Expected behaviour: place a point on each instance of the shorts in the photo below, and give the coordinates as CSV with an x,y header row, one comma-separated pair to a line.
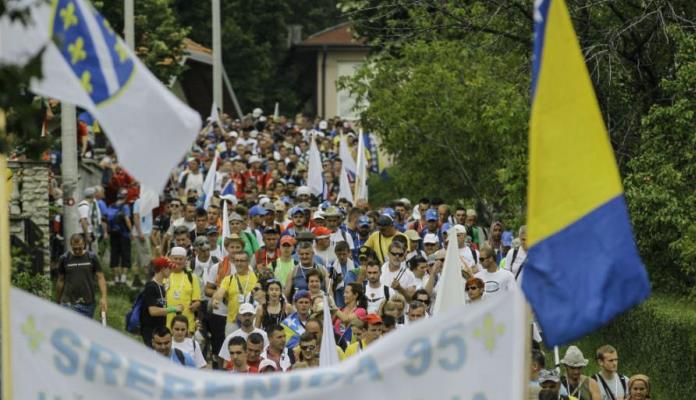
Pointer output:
x,y
143,253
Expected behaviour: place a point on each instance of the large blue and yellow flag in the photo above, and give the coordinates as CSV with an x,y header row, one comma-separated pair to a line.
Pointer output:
x,y
583,268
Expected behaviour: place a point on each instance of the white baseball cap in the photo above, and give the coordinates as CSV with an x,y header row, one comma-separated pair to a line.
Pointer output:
x,y
430,238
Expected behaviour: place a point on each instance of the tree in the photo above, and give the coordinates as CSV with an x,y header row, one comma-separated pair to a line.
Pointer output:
x,y
660,185
454,118
254,43
159,36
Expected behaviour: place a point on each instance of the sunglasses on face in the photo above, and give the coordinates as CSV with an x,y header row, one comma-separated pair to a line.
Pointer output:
x,y
309,347
482,259
397,254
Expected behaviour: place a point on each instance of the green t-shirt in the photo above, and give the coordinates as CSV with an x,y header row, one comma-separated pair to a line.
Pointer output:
x,y
282,269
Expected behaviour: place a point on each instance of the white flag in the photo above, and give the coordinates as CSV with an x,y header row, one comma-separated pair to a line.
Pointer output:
x,y
344,186
210,182
315,179
327,353
450,294
86,63
346,158
361,175
149,200
474,355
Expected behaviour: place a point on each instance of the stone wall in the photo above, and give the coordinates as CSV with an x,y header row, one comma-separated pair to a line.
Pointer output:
x,y
30,199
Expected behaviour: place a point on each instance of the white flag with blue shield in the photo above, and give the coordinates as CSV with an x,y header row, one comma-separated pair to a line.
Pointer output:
x,y
86,63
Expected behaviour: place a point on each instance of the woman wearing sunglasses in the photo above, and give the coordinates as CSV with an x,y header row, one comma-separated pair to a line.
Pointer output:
x,y
474,289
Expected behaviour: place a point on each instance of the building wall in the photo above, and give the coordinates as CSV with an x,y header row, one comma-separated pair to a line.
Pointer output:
x,y
337,61
29,199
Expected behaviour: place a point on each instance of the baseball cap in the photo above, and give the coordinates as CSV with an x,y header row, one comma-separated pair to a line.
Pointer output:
x,y
269,206
373,319
318,215
363,221
161,262
89,192
390,212
331,212
430,238
322,232
246,308
302,293
385,220
287,239
304,236
303,190
212,230
548,375
271,229
279,205
365,251
296,210
235,217
200,241
257,210
431,214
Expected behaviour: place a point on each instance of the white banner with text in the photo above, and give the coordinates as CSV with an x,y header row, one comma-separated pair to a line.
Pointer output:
x,y
474,353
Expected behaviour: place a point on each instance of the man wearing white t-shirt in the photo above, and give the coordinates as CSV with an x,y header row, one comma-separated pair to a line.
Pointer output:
x,y
395,274
376,292
246,322
496,280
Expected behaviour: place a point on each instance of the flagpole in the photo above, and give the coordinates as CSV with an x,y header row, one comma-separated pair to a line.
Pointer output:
x,y
5,268
217,56
129,23
69,168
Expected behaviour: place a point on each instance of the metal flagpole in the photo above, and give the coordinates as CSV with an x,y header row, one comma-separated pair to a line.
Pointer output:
x,y
5,268
217,56
128,23
69,170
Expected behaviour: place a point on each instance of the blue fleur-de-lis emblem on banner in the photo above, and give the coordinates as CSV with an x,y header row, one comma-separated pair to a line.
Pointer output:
x,y
91,49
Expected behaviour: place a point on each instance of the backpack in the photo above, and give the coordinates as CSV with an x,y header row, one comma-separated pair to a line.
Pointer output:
x,y
602,382
386,290
133,316
115,216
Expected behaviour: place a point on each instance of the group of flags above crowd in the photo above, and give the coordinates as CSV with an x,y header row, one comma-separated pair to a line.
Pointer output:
x,y
579,231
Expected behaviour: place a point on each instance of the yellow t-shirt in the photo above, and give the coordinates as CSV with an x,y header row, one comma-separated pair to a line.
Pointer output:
x,y
181,291
229,284
380,244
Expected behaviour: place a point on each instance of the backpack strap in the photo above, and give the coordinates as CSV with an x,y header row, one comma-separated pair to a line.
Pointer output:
x,y
622,379
189,275
180,355
598,377
386,292
514,256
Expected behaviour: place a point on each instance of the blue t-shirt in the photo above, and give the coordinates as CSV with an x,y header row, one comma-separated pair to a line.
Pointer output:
x,y
188,360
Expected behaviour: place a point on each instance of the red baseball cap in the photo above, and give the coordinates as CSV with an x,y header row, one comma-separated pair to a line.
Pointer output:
x,y
160,263
321,232
288,239
372,319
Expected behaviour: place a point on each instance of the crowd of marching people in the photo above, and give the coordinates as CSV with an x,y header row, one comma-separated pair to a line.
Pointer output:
x,y
239,279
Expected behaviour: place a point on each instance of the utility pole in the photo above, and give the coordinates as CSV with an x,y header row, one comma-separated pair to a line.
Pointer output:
x,y
128,23
217,56
69,171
